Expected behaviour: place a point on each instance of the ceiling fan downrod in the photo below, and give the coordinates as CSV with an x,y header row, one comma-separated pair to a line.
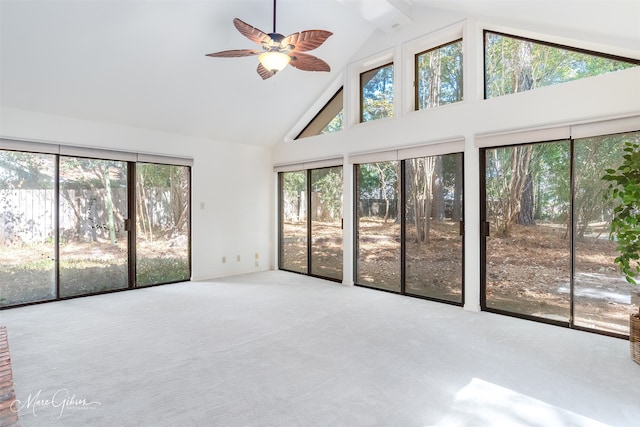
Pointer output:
x,y
274,16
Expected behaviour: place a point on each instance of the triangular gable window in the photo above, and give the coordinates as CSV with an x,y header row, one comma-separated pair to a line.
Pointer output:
x,y
329,118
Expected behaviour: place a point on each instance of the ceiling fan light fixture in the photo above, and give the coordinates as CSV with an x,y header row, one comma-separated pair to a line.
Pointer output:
x,y
274,61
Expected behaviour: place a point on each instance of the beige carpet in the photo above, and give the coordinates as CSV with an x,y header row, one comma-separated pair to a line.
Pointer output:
x,y
281,349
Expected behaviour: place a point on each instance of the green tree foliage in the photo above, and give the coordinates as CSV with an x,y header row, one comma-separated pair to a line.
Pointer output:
x,y
624,189
294,187
166,186
380,181
335,125
96,180
592,156
25,170
377,93
516,65
328,184
505,176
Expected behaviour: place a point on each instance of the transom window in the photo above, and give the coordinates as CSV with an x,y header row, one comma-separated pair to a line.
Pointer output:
x,y
376,93
517,64
439,76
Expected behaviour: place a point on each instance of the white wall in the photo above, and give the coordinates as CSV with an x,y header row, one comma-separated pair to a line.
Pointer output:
x,y
597,98
232,181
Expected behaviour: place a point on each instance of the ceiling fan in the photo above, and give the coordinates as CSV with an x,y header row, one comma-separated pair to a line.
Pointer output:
x,y
278,50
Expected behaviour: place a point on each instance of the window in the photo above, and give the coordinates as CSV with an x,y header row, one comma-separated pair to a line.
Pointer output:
x,y
439,76
72,224
329,119
376,93
516,64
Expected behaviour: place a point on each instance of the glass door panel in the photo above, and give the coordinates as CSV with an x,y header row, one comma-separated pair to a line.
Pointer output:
x,y
378,226
27,227
602,297
326,222
92,213
162,225
528,250
433,215
293,221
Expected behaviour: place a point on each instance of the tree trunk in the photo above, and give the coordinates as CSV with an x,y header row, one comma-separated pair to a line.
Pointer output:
x,y
525,216
520,159
456,214
438,190
429,167
435,74
109,197
415,200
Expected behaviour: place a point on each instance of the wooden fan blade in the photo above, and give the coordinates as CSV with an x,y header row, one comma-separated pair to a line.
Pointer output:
x,y
306,62
252,33
306,40
234,53
264,73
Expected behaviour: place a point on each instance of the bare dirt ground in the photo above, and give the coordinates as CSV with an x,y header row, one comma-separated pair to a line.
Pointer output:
x,y
527,273
530,272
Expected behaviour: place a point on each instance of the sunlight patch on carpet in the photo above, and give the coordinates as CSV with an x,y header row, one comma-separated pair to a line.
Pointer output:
x,y
481,403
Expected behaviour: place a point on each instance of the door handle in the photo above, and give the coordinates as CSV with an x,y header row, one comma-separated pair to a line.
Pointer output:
x,y
486,230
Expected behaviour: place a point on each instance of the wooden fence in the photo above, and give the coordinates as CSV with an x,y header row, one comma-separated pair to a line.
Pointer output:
x,y
28,215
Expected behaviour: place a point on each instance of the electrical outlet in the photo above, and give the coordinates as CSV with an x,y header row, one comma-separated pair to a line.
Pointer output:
x,y
237,257
224,259
257,257
257,263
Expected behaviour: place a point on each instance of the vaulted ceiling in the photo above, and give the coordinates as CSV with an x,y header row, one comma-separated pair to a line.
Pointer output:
x,y
143,63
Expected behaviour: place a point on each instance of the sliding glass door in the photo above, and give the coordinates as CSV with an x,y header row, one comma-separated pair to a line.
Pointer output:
x,y
378,231
162,223
409,226
310,222
293,221
528,246
326,222
434,227
27,227
547,253
602,297
72,225
94,245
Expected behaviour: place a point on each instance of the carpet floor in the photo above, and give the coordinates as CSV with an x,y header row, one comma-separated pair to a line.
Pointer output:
x,y
281,349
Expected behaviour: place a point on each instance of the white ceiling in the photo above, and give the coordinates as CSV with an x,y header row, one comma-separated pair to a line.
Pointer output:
x,y
143,63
